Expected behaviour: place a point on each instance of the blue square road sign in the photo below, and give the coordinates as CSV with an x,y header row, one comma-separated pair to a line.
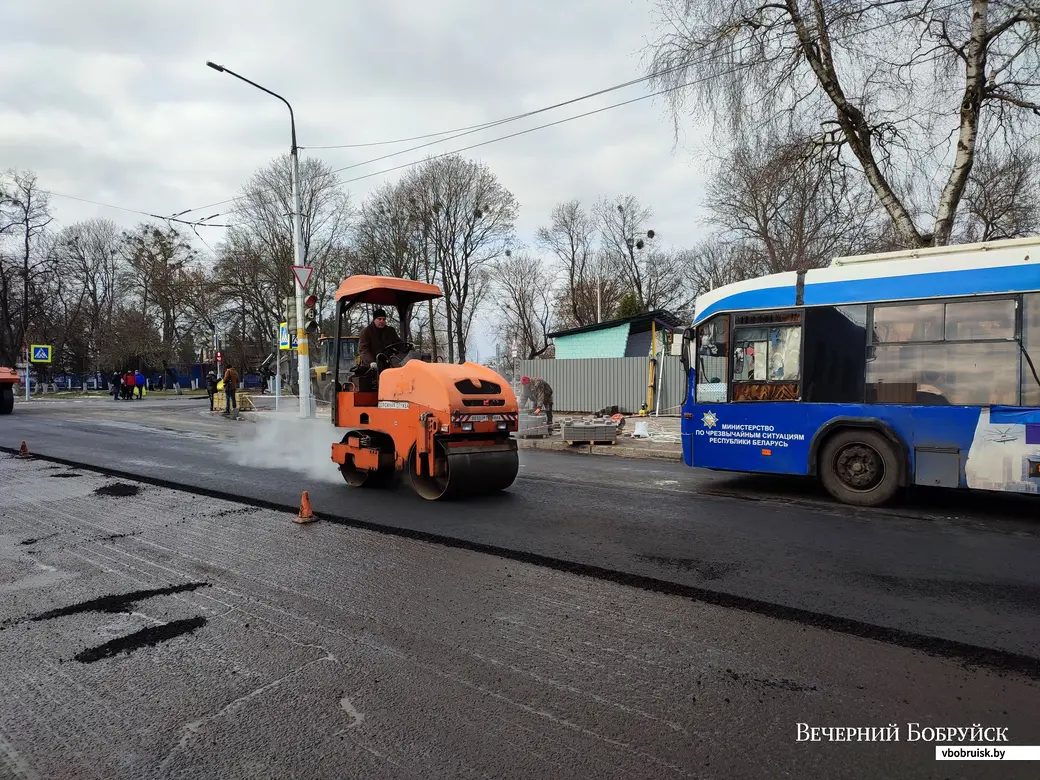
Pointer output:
x,y
40,353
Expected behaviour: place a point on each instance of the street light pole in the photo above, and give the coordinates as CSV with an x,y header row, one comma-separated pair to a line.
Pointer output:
x,y
303,348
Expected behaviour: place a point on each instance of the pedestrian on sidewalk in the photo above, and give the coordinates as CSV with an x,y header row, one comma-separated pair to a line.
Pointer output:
x,y
117,385
211,387
139,382
230,386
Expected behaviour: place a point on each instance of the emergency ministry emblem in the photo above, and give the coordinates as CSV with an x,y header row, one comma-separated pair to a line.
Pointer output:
x,y
710,420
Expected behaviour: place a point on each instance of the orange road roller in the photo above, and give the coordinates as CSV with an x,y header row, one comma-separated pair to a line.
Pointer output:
x,y
8,379
448,426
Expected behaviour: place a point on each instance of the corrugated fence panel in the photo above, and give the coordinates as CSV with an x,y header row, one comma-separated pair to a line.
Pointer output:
x,y
588,385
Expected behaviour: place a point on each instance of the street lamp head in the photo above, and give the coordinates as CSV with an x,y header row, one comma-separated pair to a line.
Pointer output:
x,y
218,68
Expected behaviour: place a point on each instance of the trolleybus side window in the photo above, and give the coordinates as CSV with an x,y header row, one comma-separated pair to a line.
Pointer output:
x,y
767,356
908,322
1030,349
961,353
712,352
835,354
980,320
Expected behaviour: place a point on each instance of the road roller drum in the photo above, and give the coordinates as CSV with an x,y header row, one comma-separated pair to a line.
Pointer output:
x,y
465,472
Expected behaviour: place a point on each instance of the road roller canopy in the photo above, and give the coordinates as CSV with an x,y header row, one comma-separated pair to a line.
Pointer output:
x,y
385,291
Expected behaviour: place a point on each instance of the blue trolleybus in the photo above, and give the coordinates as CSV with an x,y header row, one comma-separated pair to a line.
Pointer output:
x,y
875,373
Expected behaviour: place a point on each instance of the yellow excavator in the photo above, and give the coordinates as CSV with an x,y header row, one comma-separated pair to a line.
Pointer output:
x,y
321,380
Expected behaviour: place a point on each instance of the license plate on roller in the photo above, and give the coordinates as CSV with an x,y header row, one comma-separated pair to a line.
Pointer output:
x,y
478,418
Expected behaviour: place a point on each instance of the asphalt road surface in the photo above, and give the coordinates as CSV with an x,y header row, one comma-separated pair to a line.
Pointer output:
x,y
153,633
939,570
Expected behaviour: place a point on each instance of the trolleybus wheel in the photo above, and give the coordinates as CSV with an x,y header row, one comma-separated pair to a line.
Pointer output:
x,y
860,467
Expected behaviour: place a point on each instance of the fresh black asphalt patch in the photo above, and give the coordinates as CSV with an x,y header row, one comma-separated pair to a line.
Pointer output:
x,y
122,602
146,637
118,490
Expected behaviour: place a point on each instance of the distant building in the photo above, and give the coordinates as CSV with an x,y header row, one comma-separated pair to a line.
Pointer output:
x,y
625,337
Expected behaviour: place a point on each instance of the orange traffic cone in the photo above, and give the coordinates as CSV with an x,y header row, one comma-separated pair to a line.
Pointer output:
x,y
23,452
305,515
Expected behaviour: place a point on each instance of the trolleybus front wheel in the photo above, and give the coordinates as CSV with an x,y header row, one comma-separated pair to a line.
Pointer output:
x,y
860,467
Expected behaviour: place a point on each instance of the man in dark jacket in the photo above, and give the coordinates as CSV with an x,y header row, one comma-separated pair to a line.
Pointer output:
x,y
211,387
538,393
376,339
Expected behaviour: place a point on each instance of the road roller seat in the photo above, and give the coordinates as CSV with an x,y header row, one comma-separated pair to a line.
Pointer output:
x,y
362,379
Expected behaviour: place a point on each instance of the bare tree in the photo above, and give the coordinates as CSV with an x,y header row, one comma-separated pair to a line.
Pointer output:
x,y
714,263
899,85
632,252
1001,199
775,197
160,262
393,238
135,338
25,214
385,234
523,297
88,259
624,233
264,213
571,237
261,244
471,218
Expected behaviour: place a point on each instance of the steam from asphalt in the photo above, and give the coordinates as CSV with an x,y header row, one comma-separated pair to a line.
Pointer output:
x,y
287,443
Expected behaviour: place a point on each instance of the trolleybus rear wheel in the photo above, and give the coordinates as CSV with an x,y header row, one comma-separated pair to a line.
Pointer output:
x,y
860,467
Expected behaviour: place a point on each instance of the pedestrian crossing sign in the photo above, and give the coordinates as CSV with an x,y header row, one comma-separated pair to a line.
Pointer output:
x,y
40,353
283,335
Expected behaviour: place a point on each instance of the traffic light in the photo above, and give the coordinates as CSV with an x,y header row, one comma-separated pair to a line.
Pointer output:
x,y
310,313
290,313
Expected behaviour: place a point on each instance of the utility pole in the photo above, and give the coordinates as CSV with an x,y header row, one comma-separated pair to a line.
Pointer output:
x,y
303,351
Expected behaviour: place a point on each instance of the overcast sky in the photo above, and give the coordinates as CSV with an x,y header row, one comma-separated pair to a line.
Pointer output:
x,y
111,100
